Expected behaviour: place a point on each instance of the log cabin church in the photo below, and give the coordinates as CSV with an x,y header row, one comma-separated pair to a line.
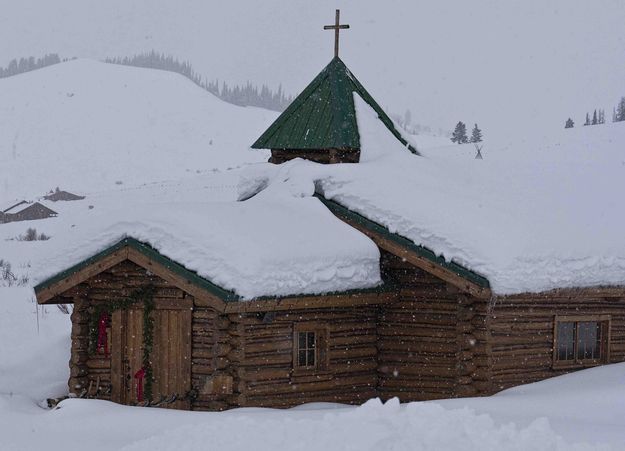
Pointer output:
x,y
151,326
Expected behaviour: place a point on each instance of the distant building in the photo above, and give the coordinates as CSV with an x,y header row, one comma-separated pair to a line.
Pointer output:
x,y
63,196
25,211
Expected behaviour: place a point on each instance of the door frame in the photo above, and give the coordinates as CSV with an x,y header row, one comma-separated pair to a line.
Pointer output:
x,y
121,375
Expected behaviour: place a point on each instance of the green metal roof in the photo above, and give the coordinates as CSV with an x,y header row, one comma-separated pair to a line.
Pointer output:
x,y
323,116
422,251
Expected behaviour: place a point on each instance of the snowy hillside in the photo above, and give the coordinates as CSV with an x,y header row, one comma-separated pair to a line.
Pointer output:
x,y
88,126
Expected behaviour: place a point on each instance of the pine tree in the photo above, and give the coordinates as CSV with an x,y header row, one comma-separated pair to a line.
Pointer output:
x,y
476,135
569,123
601,119
594,118
587,119
459,135
620,110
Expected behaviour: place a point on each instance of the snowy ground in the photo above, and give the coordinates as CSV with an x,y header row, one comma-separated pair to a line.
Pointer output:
x,y
581,411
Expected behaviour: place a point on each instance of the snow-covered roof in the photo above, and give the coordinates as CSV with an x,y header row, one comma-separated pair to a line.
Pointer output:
x,y
259,247
535,215
16,208
21,206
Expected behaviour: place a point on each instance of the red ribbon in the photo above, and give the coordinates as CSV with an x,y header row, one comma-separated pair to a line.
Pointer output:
x,y
103,343
140,375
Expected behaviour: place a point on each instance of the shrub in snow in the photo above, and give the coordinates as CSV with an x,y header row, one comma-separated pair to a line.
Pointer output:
x,y
31,235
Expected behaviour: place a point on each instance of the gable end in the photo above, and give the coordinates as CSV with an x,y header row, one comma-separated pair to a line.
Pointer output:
x,y
143,255
422,257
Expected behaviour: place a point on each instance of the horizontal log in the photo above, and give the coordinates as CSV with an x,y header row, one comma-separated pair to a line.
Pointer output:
x,y
446,385
352,352
271,346
202,353
409,346
99,364
306,388
399,371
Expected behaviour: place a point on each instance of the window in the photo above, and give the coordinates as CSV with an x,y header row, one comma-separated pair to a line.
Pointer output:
x,y
581,341
306,349
309,347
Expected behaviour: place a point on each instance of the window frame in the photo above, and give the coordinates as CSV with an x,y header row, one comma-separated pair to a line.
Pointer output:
x,y
604,322
321,347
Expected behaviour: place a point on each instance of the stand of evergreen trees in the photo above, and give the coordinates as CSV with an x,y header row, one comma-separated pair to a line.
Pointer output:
x,y
247,95
459,136
598,116
22,65
618,113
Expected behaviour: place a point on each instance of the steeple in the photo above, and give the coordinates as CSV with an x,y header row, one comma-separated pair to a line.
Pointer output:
x,y
320,124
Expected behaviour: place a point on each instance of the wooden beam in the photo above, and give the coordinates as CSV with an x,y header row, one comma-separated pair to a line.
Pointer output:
x,y
305,302
57,288
566,293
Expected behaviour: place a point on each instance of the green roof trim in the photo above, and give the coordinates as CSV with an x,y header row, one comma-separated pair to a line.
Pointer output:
x,y
422,251
151,253
323,116
191,276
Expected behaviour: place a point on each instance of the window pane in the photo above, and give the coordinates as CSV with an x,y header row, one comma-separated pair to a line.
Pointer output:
x,y
565,341
311,340
311,357
301,358
587,344
301,340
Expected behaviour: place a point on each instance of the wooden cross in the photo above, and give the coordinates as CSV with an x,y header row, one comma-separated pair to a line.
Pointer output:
x,y
336,27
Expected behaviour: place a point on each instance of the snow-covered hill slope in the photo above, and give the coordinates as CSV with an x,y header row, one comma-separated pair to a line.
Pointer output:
x,y
88,126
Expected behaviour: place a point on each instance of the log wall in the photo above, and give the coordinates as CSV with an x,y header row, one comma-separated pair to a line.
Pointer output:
x,y
522,330
262,357
433,342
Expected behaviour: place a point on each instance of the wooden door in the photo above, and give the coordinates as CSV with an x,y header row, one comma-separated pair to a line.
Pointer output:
x,y
170,358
